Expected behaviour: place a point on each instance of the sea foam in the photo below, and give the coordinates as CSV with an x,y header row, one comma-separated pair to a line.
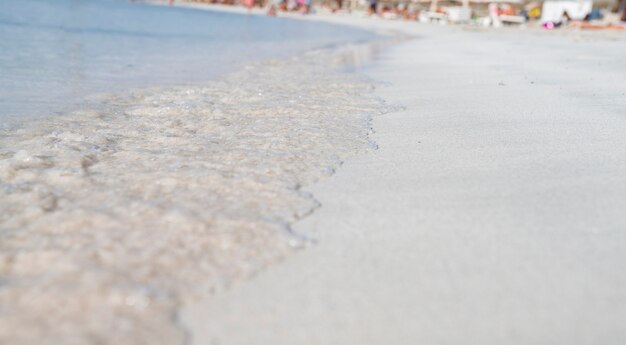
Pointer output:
x,y
114,215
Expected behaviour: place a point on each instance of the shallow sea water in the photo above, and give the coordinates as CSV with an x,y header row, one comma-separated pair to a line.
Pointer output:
x,y
116,214
56,53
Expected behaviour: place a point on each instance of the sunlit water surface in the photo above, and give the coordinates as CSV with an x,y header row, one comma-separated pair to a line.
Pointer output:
x,y
54,53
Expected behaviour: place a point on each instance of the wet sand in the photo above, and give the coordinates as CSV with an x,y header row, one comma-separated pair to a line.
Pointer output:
x,y
492,212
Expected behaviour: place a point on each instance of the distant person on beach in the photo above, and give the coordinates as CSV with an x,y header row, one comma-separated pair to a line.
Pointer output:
x,y
271,10
282,5
373,6
304,6
402,10
620,10
292,5
412,11
274,6
339,6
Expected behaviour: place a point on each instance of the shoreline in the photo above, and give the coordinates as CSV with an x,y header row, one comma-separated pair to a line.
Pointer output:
x,y
483,218
195,163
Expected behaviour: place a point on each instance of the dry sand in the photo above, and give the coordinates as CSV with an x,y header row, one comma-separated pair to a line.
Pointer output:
x,y
494,211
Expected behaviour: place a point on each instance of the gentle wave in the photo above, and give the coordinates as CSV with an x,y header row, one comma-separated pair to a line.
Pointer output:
x,y
113,216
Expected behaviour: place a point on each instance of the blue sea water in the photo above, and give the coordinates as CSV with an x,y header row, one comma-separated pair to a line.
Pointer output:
x,y
55,53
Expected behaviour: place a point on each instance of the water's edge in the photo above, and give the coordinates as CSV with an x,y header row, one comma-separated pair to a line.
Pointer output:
x,y
215,170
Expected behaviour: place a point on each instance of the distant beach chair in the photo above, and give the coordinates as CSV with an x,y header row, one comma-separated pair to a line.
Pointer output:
x,y
508,19
458,14
432,16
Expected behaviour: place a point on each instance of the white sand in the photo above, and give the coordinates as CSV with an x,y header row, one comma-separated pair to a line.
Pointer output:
x,y
494,211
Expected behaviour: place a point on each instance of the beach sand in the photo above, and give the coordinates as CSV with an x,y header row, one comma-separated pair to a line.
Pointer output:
x,y
492,212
